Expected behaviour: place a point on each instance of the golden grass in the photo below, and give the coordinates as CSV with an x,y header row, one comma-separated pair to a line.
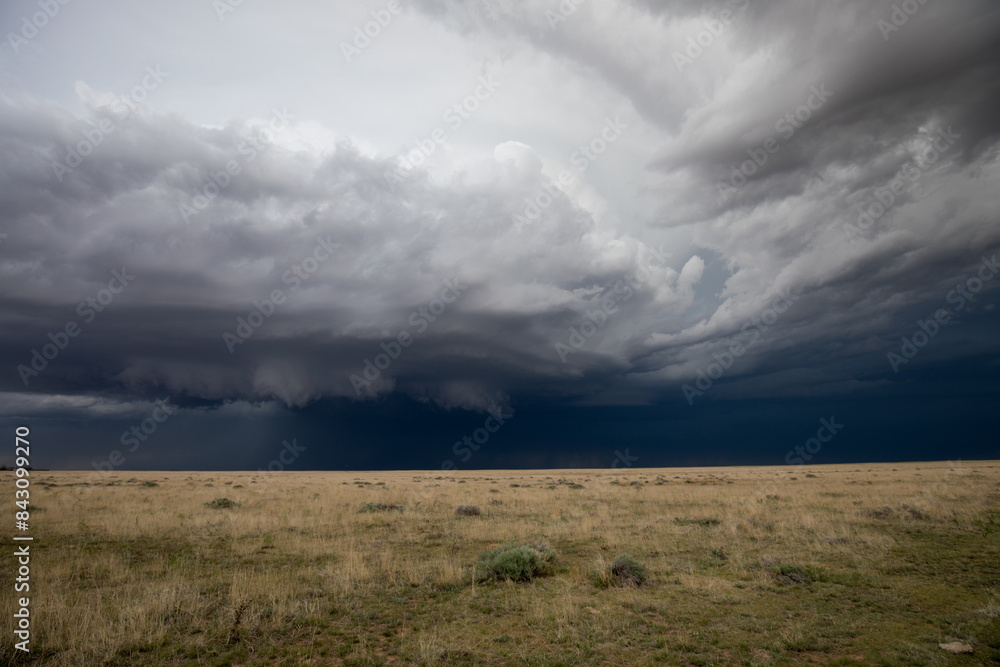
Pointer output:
x,y
129,574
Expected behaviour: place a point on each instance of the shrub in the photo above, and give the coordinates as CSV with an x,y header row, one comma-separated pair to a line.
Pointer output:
x,y
793,574
467,510
576,486
514,562
916,513
883,513
222,504
706,521
380,507
627,571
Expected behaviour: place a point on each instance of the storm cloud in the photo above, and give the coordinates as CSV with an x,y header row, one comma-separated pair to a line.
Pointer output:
x,y
531,208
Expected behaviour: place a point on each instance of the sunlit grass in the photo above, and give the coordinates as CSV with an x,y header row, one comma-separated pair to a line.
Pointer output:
x,y
739,566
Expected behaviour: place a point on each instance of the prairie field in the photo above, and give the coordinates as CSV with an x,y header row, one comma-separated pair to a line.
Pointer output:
x,y
855,564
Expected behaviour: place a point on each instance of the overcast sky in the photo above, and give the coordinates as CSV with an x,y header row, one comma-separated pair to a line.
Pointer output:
x,y
474,233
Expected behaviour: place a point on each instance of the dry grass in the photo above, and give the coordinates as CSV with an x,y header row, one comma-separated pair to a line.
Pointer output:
x,y
133,573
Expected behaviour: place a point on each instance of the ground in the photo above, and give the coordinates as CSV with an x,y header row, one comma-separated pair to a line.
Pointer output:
x,y
862,564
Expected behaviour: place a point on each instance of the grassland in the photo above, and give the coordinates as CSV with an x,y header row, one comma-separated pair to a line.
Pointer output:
x,y
843,565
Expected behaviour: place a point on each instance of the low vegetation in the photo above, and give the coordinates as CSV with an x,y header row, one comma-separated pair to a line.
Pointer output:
x,y
705,521
623,571
468,510
221,504
858,565
514,562
380,507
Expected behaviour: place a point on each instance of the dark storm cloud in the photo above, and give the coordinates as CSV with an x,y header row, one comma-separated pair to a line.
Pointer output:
x,y
768,203
353,262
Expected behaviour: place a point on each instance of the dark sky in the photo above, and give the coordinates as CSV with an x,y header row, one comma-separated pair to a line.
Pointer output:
x,y
500,234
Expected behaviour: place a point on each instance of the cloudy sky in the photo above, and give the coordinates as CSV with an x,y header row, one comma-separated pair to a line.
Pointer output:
x,y
473,233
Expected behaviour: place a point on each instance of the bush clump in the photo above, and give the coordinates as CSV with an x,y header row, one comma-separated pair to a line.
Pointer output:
x,y
627,571
623,571
468,510
883,513
222,504
793,574
917,513
380,507
514,562
706,521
